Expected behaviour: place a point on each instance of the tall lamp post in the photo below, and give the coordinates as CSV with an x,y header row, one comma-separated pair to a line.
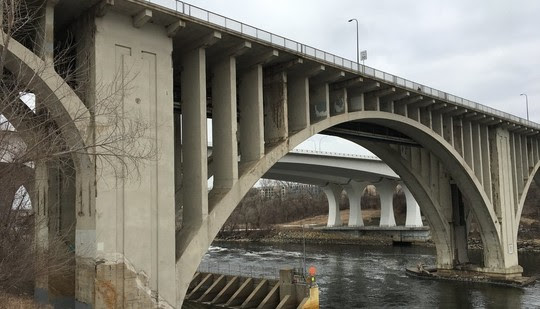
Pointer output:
x,y
526,104
357,43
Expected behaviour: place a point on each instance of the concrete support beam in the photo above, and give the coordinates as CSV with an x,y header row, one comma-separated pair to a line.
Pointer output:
x,y
178,163
354,192
259,59
333,194
227,292
468,145
425,117
197,292
216,287
173,28
203,42
272,299
245,289
458,135
503,201
448,129
486,160
276,126
477,152
44,41
386,193
194,139
250,104
142,18
298,92
414,217
224,125
257,296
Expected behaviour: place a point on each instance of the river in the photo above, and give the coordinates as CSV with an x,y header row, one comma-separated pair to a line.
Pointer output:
x,y
374,277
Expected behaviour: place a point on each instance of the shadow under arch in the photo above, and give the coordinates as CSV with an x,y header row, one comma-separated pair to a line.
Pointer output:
x,y
195,237
534,175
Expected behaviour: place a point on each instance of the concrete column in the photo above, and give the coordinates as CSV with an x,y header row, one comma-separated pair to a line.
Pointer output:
x,y
126,244
468,144
414,217
458,135
178,163
44,40
250,93
333,194
225,151
503,201
298,91
448,129
195,204
319,101
354,192
486,160
275,108
386,193
477,152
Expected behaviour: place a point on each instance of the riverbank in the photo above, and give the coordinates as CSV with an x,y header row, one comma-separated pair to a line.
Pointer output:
x,y
282,234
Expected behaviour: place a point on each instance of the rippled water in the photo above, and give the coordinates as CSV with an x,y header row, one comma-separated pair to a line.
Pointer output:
x,y
374,277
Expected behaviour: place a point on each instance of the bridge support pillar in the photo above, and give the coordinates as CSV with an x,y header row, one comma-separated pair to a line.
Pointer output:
x,y
224,126
386,193
505,206
333,194
414,217
250,93
354,191
126,216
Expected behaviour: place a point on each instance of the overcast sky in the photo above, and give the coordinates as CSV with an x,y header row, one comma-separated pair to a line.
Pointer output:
x,y
484,51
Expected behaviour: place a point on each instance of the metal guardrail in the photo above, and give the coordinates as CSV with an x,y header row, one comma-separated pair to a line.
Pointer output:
x,y
335,154
269,38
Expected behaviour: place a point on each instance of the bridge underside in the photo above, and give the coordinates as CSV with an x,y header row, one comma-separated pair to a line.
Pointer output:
x,y
144,217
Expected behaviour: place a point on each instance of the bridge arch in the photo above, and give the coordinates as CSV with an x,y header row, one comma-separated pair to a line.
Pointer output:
x,y
193,240
65,107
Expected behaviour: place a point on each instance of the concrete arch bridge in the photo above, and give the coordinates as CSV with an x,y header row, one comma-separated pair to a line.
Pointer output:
x,y
174,65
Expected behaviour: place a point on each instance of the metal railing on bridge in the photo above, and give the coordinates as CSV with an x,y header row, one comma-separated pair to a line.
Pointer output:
x,y
266,37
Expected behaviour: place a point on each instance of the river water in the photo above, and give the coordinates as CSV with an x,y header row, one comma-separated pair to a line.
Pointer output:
x,y
374,277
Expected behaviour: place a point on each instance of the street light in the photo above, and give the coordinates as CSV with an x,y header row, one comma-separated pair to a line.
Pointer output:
x,y
526,103
357,42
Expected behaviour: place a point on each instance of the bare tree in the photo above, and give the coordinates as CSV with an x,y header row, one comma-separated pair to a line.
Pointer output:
x,y
36,135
